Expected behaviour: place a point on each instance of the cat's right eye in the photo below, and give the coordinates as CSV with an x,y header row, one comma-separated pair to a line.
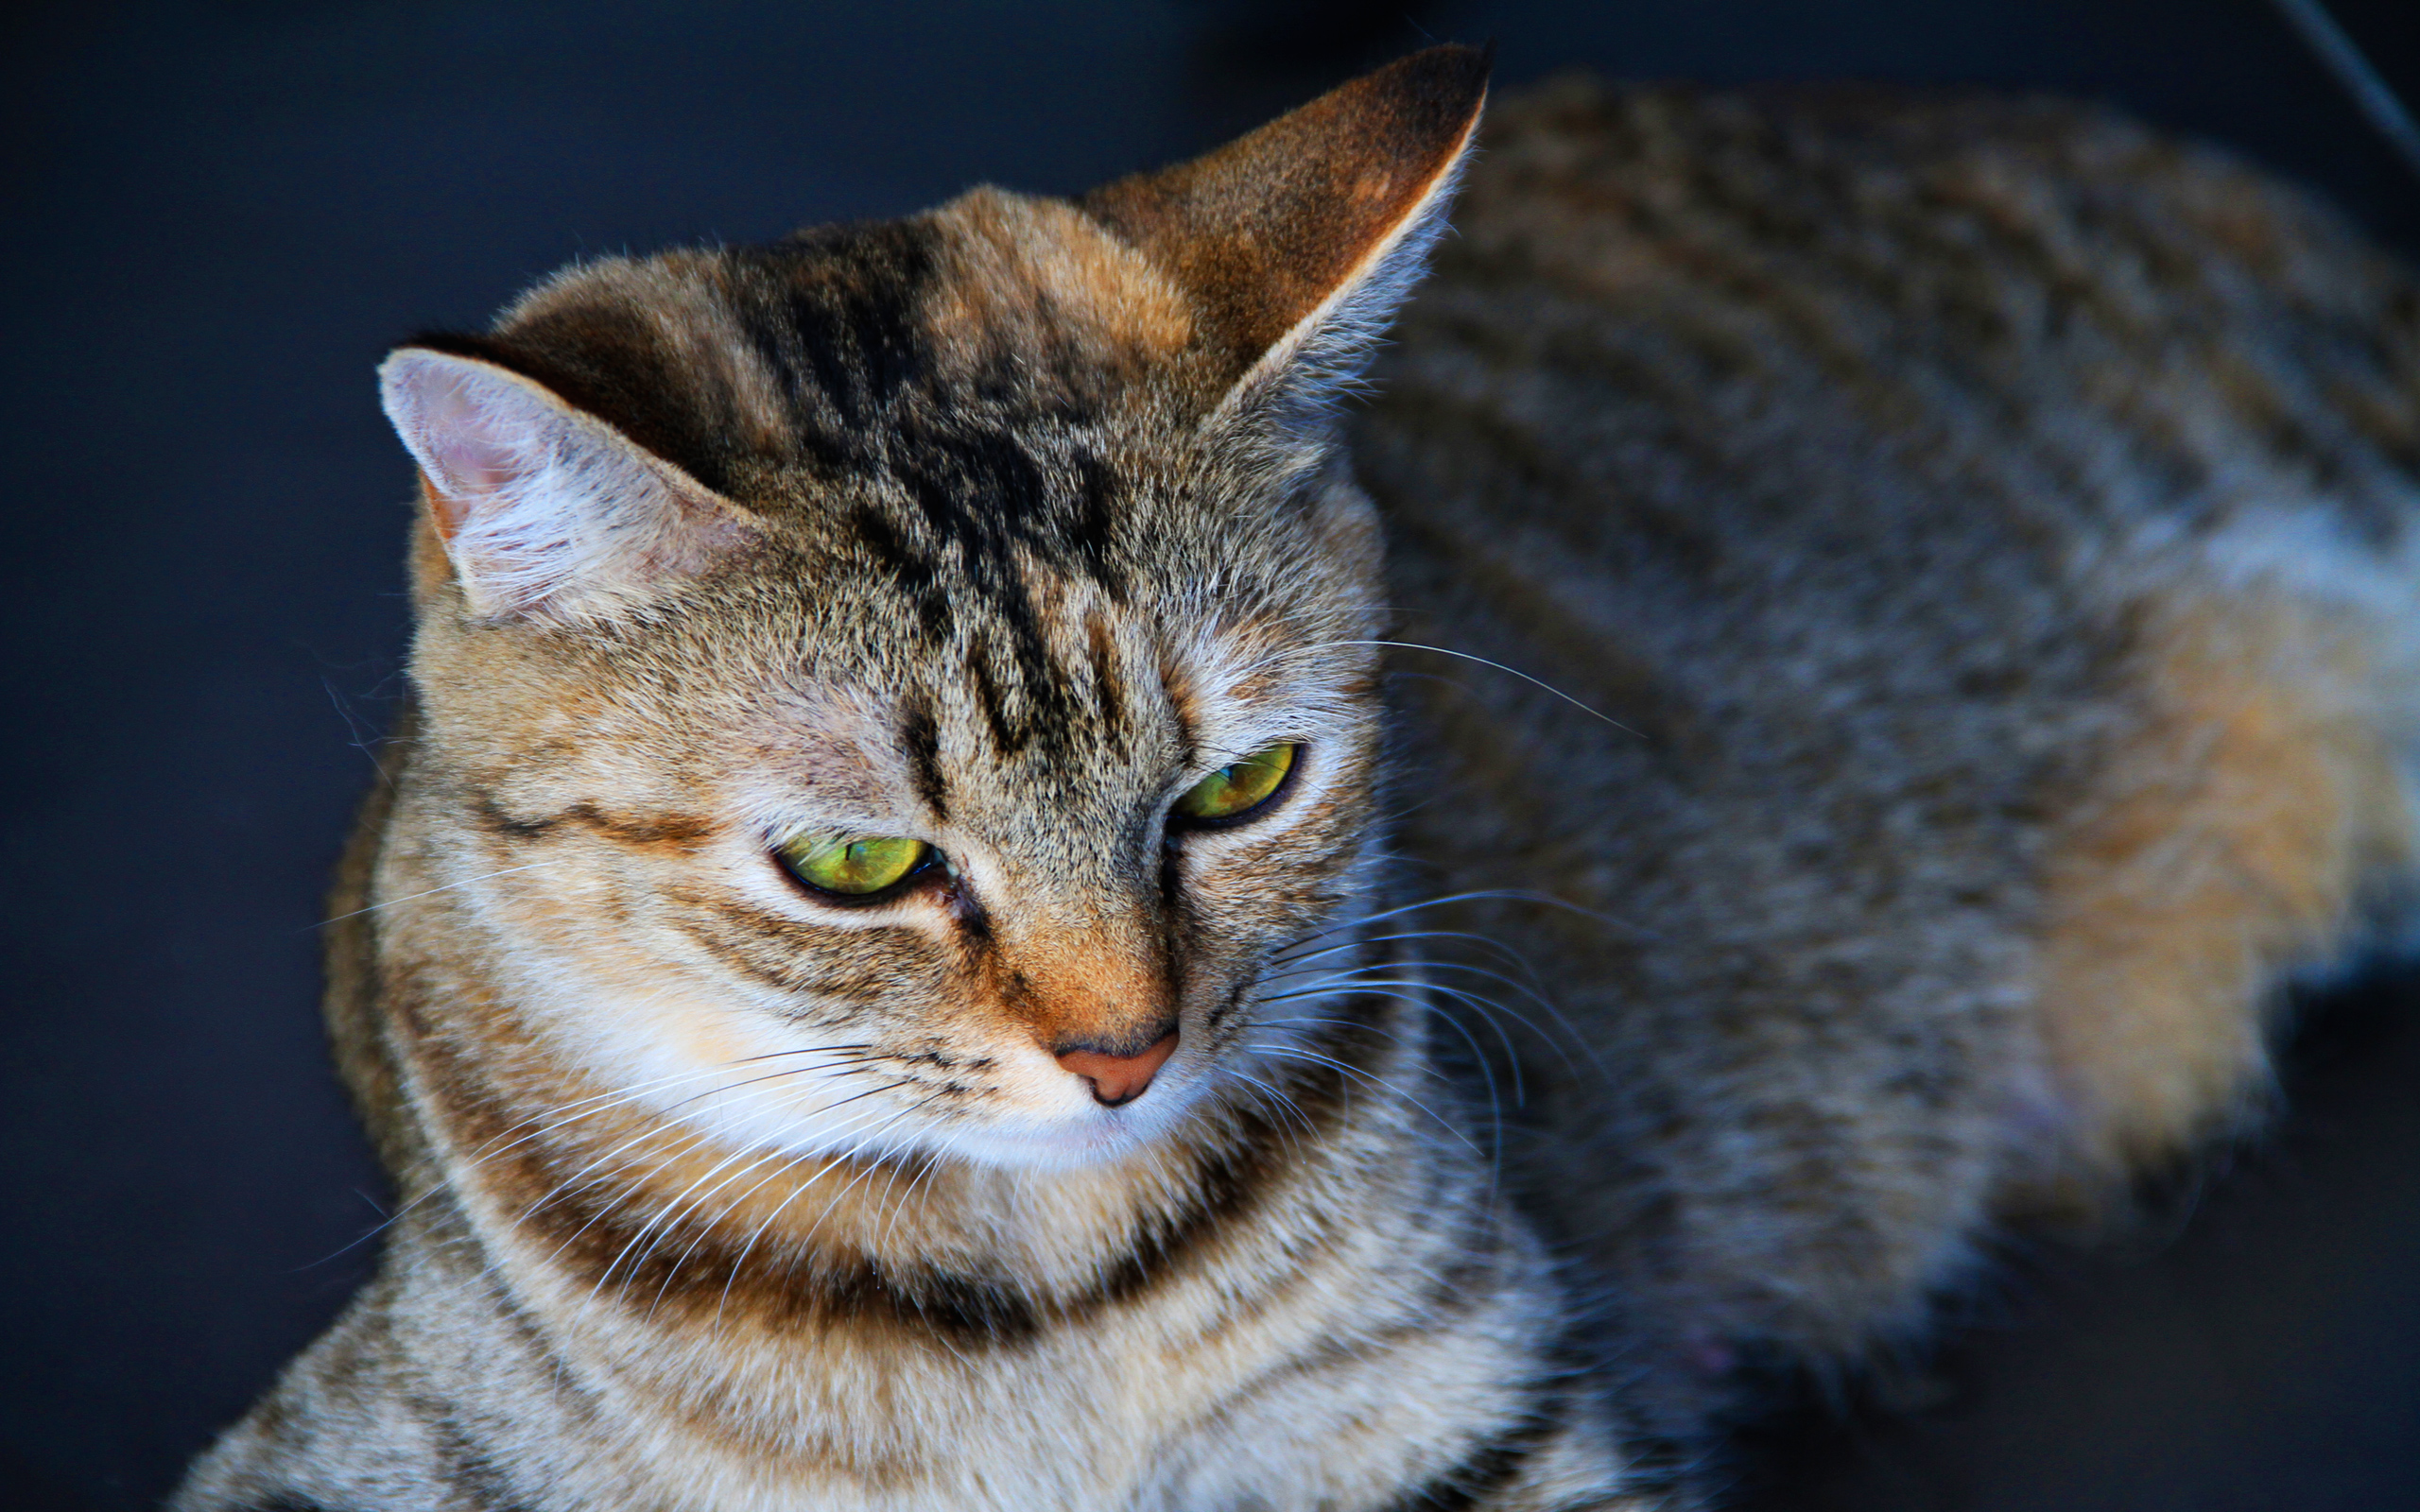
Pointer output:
x,y
857,870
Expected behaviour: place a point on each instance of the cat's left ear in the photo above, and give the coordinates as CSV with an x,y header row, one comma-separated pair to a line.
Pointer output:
x,y
1296,244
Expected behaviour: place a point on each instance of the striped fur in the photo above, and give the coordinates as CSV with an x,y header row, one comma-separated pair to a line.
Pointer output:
x,y
1992,525
999,527
1980,531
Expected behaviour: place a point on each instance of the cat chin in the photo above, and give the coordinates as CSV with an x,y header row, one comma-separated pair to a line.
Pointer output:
x,y
1104,1137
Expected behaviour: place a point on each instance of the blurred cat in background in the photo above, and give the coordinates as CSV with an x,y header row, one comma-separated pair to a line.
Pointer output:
x,y
976,860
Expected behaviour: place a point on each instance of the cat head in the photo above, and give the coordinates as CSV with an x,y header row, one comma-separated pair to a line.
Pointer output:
x,y
907,686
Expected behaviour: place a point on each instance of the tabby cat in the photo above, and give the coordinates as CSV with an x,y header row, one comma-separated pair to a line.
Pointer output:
x,y
938,931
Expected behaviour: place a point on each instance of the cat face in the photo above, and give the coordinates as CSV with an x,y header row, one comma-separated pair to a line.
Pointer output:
x,y
911,687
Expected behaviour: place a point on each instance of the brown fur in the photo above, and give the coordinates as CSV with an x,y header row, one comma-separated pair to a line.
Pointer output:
x,y
1924,594
1989,526
720,1190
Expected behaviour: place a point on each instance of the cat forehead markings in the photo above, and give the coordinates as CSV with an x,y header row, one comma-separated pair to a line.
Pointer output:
x,y
960,401
865,353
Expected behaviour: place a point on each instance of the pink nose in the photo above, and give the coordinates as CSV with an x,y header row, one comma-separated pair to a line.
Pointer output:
x,y
1120,1079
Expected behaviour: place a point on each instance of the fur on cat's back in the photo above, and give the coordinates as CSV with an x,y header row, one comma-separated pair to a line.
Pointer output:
x,y
1992,525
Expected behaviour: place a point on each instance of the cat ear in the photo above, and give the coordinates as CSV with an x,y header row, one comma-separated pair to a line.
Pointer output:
x,y
546,511
1297,243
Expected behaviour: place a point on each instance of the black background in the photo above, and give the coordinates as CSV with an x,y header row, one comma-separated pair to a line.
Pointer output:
x,y
217,216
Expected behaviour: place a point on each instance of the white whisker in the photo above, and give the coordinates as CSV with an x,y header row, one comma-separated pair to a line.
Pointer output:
x,y
1459,656
430,892
1297,1053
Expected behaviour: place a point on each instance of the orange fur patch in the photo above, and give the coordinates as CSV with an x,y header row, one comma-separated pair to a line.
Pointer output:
x,y
1045,261
2226,843
1101,987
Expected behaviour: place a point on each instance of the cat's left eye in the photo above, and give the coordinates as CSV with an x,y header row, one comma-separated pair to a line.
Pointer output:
x,y
855,869
1235,790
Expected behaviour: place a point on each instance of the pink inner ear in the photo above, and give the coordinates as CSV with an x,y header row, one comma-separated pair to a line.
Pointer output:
x,y
479,466
470,461
464,442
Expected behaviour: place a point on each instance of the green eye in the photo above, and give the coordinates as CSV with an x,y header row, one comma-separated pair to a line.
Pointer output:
x,y
1232,792
854,869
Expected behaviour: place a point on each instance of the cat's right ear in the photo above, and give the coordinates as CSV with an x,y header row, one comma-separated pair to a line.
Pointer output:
x,y
545,512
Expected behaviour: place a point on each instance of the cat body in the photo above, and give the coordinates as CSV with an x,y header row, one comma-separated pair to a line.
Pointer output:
x,y
1979,537
1991,526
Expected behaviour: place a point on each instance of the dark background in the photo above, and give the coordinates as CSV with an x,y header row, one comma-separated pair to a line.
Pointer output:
x,y
217,216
